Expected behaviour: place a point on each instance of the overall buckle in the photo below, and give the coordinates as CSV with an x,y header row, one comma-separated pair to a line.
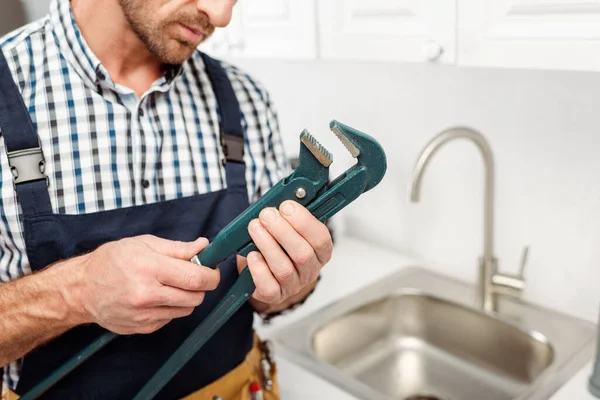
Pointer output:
x,y
27,165
233,148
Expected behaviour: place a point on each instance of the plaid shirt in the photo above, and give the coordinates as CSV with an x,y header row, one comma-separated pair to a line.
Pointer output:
x,y
105,148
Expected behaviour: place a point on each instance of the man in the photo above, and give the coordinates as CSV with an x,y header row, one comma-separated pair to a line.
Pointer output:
x,y
133,123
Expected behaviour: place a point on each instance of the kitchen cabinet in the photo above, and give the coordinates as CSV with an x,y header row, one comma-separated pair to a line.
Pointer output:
x,y
11,17
267,28
387,30
547,34
527,34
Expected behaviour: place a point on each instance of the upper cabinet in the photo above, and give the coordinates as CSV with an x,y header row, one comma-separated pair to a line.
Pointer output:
x,y
387,30
268,28
548,34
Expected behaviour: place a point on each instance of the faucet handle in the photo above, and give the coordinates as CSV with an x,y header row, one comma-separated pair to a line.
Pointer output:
x,y
509,284
524,257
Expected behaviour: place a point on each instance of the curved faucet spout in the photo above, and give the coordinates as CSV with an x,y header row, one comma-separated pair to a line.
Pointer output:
x,y
488,159
488,264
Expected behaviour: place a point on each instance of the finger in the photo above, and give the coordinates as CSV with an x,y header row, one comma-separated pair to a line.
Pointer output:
x,y
151,328
150,316
174,248
267,287
154,327
173,297
185,275
297,248
314,231
279,263
130,328
169,313
241,262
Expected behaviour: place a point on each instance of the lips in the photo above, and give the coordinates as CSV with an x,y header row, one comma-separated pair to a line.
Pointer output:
x,y
191,34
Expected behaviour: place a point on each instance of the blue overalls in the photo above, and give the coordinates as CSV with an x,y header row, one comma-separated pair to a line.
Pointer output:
x,y
120,369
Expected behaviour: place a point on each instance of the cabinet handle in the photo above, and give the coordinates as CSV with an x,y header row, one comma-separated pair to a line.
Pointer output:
x,y
432,51
239,44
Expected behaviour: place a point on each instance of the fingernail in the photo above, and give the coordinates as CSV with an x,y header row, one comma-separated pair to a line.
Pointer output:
x,y
288,208
254,256
256,226
267,215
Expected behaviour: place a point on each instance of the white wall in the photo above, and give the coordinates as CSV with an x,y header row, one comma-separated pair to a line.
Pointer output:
x,y
542,126
35,8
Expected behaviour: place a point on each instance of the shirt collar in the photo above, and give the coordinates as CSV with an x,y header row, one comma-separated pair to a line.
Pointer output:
x,y
76,51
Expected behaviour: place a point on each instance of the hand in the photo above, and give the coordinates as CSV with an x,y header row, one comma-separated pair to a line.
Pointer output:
x,y
293,245
139,284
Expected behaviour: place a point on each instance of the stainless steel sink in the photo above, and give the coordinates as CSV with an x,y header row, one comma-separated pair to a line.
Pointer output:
x,y
413,342
419,335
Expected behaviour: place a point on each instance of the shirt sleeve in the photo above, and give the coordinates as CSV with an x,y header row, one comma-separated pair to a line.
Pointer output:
x,y
13,260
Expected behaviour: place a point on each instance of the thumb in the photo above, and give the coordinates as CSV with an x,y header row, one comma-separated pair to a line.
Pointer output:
x,y
175,248
241,262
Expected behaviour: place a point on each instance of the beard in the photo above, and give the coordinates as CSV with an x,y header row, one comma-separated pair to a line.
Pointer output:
x,y
160,37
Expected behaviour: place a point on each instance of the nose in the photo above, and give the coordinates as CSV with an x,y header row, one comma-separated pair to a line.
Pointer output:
x,y
219,11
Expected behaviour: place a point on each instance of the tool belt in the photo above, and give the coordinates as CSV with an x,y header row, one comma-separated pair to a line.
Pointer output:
x,y
258,367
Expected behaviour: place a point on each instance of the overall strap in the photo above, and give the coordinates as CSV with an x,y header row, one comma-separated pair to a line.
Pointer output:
x,y
232,133
23,148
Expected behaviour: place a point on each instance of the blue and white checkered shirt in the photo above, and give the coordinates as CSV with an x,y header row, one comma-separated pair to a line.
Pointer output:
x,y
106,148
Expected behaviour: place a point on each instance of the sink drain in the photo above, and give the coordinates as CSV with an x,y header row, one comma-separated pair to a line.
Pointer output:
x,y
423,397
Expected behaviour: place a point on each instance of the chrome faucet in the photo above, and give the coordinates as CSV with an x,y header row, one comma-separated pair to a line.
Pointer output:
x,y
490,282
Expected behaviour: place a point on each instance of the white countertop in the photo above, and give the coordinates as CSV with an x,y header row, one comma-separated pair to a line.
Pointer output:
x,y
576,387
360,264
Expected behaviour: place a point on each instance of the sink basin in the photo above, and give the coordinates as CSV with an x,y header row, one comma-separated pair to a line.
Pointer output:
x,y
418,335
415,343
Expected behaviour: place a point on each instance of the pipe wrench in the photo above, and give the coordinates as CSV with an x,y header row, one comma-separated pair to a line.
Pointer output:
x,y
308,185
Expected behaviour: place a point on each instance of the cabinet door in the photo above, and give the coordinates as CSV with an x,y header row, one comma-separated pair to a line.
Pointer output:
x,y
388,30
546,34
268,28
12,16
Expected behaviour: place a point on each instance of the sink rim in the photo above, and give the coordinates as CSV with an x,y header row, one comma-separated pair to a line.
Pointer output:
x,y
294,340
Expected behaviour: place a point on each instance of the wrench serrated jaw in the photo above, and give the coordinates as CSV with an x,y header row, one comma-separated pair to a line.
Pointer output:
x,y
367,151
351,147
317,150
